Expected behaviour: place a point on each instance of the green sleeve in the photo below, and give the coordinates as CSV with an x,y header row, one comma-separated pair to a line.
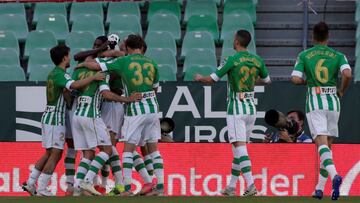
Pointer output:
x,y
113,66
107,79
263,71
156,76
299,68
223,70
63,80
343,63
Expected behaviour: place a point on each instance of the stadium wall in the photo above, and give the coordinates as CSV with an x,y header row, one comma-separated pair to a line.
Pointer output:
x,y
198,111
203,169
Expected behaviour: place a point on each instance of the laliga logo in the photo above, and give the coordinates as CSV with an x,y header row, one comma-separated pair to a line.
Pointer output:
x,y
349,179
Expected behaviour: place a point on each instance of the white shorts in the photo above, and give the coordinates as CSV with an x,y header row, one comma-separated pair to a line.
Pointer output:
x,y
112,114
141,129
322,122
88,133
240,127
53,136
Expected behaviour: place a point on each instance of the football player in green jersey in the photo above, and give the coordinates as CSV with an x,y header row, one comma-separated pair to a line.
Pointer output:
x,y
243,70
139,74
321,65
53,119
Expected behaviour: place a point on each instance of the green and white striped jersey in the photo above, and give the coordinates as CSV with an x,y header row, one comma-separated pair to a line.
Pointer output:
x,y
243,69
321,66
54,113
139,74
89,100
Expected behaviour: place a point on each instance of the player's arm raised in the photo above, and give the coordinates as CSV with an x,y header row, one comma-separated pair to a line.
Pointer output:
x,y
112,53
81,56
298,72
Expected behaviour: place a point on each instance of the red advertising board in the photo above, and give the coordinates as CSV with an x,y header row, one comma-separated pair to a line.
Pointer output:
x,y
203,169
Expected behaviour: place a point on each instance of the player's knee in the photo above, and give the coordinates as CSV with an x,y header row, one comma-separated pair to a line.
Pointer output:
x,y
107,150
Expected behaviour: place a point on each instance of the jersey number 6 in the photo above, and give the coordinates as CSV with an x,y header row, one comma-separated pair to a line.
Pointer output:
x,y
321,72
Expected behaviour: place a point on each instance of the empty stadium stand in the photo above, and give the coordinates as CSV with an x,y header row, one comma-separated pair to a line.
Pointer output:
x,y
172,28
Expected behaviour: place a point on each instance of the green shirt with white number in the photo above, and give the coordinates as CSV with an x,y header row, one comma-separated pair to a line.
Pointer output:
x,y
89,100
139,74
321,66
54,113
242,69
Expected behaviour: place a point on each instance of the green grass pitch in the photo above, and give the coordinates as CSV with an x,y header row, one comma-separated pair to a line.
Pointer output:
x,y
174,200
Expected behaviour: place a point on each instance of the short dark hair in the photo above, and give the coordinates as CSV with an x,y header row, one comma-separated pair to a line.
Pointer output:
x,y
144,47
134,42
102,38
243,37
321,32
58,53
299,113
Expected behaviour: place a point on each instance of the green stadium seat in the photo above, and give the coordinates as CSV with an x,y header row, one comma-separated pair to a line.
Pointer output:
x,y
125,23
8,40
12,8
16,24
166,73
234,22
236,6
40,73
76,40
229,43
163,57
12,73
198,69
254,1
203,23
164,7
90,23
218,2
357,69
200,8
199,57
357,48
55,23
122,8
48,8
197,40
161,40
39,57
165,23
39,39
9,57
79,9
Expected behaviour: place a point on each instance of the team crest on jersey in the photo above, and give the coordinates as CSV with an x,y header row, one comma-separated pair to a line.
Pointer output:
x,y
67,76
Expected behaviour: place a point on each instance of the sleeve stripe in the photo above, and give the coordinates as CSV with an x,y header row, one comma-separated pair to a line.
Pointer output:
x,y
214,77
344,67
297,73
103,66
266,80
155,85
68,84
104,87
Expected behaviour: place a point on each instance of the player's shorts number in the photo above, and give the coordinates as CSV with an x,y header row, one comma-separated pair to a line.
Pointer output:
x,y
247,73
321,72
140,79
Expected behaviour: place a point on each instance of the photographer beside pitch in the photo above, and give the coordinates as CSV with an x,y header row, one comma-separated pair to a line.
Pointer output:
x,y
321,66
293,132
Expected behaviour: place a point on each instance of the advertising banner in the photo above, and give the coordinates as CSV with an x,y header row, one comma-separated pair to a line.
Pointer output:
x,y
199,111
194,169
